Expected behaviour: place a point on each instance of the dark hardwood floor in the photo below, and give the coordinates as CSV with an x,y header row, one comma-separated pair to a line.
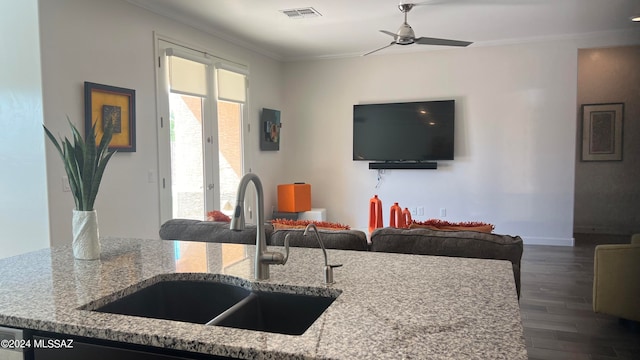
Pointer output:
x,y
556,305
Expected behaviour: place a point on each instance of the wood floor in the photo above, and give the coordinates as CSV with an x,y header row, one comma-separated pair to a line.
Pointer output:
x,y
556,302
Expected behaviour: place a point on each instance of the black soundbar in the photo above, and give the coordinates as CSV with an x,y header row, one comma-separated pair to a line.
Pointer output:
x,y
403,165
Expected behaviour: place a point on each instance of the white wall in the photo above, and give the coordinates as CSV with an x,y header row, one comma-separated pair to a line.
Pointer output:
x,y
111,42
515,135
23,191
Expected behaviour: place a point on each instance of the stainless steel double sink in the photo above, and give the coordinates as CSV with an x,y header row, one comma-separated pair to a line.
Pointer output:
x,y
218,303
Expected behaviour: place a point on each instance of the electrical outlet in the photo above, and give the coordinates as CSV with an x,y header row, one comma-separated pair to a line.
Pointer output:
x,y
414,211
65,184
443,212
420,210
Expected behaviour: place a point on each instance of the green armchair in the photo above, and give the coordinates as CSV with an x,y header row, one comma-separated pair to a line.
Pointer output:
x,y
616,279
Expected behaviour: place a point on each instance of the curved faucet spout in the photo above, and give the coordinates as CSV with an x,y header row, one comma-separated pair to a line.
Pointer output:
x,y
237,220
315,230
263,257
328,269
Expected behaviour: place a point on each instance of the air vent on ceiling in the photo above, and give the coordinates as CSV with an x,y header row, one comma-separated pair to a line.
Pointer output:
x,y
300,13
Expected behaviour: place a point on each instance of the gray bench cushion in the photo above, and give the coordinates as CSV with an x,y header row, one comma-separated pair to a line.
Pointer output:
x,y
208,231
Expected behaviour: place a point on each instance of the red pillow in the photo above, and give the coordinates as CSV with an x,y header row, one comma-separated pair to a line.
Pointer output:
x,y
217,215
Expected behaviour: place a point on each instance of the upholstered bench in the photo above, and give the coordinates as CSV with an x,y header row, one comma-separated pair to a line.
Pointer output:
x,y
470,244
212,231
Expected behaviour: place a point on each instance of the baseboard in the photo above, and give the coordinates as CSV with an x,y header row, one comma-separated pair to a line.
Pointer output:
x,y
530,240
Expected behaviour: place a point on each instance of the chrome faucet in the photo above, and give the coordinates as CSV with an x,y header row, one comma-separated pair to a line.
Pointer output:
x,y
328,269
263,257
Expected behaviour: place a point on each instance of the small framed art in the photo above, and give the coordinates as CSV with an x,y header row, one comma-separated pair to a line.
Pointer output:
x,y
119,104
602,132
270,132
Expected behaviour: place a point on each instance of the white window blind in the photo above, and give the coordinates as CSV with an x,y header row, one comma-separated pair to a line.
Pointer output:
x,y
187,76
231,86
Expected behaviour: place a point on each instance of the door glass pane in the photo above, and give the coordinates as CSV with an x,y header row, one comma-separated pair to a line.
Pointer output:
x,y
187,163
230,152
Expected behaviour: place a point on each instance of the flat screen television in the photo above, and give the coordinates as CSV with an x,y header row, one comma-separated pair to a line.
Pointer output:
x,y
409,131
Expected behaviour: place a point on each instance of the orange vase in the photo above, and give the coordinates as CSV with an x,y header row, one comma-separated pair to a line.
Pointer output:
x,y
375,214
396,220
406,217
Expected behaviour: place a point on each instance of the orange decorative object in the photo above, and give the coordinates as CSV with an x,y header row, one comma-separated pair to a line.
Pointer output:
x,y
294,197
285,224
406,217
395,219
437,224
375,213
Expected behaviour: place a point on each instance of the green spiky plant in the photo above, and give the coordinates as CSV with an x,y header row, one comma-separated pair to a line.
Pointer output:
x,y
84,162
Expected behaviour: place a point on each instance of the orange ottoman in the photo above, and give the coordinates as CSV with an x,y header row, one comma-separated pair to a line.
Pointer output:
x,y
294,197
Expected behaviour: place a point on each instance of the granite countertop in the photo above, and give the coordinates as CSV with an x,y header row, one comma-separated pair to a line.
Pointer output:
x,y
392,306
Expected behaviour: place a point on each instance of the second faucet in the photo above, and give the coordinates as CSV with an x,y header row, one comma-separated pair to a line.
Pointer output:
x,y
328,269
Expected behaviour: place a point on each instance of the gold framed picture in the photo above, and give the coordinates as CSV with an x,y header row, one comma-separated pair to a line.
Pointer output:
x,y
602,132
119,104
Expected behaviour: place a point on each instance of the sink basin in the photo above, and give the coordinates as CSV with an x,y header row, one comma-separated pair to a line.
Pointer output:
x,y
220,303
276,312
181,300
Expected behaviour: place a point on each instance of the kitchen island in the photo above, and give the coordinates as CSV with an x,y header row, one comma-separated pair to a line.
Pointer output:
x,y
391,306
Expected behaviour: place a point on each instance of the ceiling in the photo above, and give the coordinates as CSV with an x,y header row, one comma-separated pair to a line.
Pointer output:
x,y
351,27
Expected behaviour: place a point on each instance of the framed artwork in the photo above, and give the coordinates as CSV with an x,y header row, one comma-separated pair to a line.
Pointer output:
x,y
119,104
602,132
270,132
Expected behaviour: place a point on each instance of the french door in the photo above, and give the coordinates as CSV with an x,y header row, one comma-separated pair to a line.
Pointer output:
x,y
201,105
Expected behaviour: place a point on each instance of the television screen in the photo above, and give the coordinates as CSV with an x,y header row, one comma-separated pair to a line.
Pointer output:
x,y
410,131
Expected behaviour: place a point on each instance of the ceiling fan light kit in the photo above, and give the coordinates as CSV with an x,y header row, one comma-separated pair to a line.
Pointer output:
x,y
406,36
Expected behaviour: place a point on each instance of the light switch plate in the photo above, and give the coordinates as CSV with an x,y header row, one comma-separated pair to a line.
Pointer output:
x,y
65,184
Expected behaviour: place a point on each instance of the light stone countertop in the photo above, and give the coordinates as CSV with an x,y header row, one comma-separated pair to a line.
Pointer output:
x,y
392,306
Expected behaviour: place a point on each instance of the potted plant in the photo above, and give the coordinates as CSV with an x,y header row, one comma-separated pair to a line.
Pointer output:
x,y
85,161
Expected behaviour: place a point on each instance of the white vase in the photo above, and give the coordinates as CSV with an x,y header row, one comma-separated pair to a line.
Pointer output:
x,y
86,243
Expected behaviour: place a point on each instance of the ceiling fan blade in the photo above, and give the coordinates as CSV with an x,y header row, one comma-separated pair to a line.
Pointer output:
x,y
389,33
384,47
426,2
476,2
444,42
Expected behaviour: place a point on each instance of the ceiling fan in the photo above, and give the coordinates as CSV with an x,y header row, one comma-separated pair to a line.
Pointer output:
x,y
406,36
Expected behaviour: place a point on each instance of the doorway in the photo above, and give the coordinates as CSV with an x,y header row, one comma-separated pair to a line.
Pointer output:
x,y
200,136
607,196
